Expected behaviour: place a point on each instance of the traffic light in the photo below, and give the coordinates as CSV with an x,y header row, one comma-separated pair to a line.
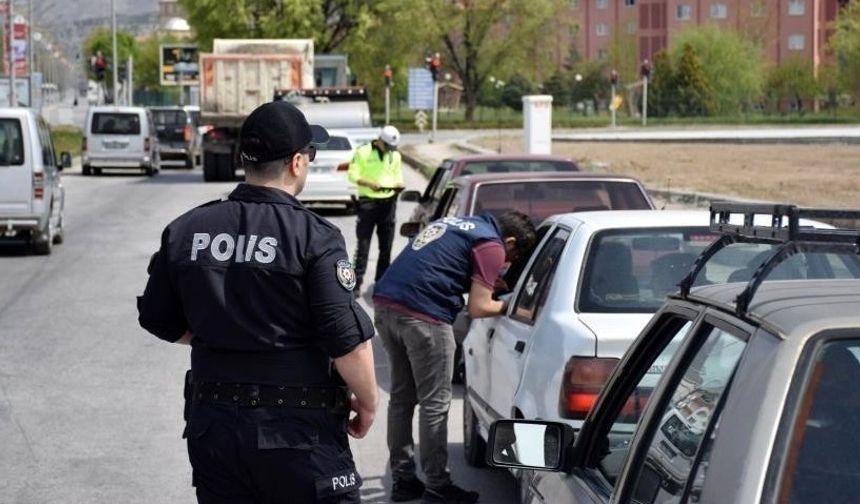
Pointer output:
x,y
387,74
613,77
645,70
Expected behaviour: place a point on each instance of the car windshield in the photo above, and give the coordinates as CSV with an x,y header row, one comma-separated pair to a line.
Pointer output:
x,y
115,123
11,143
634,270
541,198
334,143
516,166
169,117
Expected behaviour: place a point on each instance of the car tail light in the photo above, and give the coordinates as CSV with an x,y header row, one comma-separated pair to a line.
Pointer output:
x,y
146,144
214,135
38,185
581,384
186,134
343,167
84,144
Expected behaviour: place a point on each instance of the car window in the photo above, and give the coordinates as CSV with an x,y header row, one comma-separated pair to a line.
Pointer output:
x,y
540,199
444,177
738,262
11,142
535,288
435,183
619,435
822,464
633,270
687,420
48,158
445,204
474,167
169,117
335,143
115,123
512,275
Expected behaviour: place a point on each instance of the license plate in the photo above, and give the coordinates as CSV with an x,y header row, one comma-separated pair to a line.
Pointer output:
x,y
322,169
113,144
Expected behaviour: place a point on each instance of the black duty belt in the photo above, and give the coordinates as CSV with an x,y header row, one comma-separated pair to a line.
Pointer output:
x,y
250,395
365,199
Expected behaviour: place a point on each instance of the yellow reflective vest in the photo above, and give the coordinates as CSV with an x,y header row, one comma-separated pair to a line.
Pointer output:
x,y
387,171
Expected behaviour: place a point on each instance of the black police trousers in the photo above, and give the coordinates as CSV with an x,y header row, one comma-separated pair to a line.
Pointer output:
x,y
381,215
245,455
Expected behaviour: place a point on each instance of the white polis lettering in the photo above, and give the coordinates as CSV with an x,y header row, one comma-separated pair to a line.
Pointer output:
x,y
345,481
460,223
225,247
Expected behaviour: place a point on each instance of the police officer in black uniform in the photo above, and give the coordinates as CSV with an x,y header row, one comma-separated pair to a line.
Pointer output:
x,y
260,288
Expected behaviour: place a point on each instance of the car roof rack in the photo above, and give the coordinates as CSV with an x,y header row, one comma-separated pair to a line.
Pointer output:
x,y
784,230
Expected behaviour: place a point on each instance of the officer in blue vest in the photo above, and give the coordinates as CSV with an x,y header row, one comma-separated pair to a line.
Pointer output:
x,y
416,301
261,288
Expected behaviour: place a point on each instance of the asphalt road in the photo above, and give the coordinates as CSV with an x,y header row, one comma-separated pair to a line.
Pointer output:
x,y
90,404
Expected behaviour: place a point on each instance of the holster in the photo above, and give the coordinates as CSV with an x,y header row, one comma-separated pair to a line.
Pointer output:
x,y
187,393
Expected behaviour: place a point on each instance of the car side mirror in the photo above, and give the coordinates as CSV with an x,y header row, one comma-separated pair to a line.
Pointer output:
x,y
65,161
410,196
410,229
529,444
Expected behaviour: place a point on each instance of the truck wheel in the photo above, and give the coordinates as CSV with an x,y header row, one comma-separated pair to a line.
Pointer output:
x,y
225,168
149,170
474,447
210,174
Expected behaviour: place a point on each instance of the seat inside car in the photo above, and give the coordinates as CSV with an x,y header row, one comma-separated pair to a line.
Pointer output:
x,y
613,278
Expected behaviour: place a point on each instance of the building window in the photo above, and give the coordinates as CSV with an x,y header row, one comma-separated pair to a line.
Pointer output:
x,y
683,12
602,54
631,27
719,11
796,7
758,8
629,3
602,4
602,29
796,42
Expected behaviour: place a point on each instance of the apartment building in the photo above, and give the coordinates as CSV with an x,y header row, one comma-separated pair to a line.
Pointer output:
x,y
785,29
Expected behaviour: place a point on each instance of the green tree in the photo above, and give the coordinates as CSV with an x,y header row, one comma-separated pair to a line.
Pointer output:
x,y
793,81
695,95
846,44
557,86
100,39
593,83
329,22
663,87
515,88
831,85
624,55
730,65
480,38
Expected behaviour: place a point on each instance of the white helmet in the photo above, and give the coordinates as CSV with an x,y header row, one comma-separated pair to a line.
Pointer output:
x,y
390,135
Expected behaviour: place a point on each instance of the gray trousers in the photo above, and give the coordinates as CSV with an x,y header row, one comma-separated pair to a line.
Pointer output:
x,y
421,358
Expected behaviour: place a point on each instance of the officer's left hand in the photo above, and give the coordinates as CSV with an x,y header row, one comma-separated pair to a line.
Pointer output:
x,y
359,425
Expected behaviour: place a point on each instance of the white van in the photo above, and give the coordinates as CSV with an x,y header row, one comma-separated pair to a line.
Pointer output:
x,y
119,137
31,193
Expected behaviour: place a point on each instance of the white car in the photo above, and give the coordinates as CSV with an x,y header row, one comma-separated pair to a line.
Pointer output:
x,y
589,288
119,137
327,181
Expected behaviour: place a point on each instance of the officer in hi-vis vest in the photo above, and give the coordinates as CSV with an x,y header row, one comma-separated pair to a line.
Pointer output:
x,y
261,288
377,170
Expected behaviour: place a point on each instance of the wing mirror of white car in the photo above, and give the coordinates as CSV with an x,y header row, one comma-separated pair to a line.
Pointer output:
x,y
65,160
529,444
410,196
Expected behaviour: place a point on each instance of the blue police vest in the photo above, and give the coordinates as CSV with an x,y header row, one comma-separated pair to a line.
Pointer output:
x,y
433,272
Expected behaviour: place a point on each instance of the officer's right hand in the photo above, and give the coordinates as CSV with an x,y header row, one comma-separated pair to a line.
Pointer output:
x,y
359,425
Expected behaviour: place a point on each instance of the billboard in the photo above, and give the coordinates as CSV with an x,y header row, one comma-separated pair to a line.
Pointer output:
x,y
179,62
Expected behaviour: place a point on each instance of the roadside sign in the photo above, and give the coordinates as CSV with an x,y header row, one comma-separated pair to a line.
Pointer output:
x,y
179,60
421,120
420,89
617,101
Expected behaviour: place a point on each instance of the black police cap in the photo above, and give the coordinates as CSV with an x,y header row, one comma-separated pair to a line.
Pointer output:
x,y
277,130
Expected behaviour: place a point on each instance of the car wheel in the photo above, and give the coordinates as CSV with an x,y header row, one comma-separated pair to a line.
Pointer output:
x,y
60,232
474,447
459,376
97,171
189,162
149,170
43,242
86,170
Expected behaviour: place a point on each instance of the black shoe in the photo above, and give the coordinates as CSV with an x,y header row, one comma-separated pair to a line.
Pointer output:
x,y
449,494
406,489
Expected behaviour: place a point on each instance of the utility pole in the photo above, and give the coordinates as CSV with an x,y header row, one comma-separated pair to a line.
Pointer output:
x,y
114,61
129,69
645,72
29,53
387,75
11,16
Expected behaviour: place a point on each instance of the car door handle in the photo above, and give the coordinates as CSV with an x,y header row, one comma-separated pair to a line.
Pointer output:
x,y
491,333
520,346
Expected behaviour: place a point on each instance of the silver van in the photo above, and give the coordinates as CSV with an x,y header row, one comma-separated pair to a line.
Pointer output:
x,y
32,197
119,137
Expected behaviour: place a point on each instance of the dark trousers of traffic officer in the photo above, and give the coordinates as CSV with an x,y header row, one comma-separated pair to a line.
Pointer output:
x,y
242,454
380,214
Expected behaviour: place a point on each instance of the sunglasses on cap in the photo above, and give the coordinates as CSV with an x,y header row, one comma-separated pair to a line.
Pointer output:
x,y
310,150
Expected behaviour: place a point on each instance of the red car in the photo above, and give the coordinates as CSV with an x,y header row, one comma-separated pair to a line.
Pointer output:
x,y
538,195
477,164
